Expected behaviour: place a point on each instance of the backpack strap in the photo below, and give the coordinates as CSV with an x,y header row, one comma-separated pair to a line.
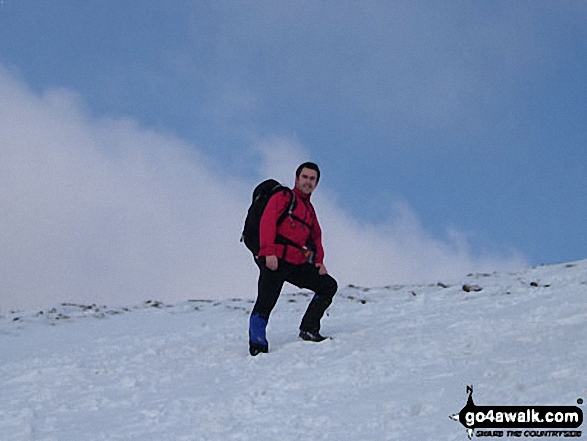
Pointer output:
x,y
309,250
291,207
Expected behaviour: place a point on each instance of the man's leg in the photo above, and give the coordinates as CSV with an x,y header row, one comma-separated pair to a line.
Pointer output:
x,y
324,287
269,287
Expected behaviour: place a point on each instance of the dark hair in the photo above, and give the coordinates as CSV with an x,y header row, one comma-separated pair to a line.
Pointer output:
x,y
311,166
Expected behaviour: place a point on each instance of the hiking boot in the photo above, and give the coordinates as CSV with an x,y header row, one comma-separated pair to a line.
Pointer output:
x,y
255,349
312,336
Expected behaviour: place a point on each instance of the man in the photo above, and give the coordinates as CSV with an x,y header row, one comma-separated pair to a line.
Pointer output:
x,y
291,252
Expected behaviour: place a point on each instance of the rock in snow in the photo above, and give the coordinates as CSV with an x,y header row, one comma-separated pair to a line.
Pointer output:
x,y
397,367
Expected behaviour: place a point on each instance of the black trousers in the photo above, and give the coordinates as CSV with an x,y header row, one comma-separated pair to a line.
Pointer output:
x,y
303,276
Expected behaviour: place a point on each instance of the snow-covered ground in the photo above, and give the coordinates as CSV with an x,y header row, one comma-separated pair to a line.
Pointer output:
x,y
396,368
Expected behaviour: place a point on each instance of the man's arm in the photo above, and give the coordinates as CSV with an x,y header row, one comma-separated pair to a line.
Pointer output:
x,y
316,237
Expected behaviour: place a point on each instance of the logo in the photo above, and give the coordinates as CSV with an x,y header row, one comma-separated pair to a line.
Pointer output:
x,y
517,421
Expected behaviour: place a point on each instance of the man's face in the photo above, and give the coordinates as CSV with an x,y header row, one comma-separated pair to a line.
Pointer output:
x,y
307,180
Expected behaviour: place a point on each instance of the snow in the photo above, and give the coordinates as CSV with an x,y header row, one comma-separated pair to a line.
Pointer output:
x,y
396,368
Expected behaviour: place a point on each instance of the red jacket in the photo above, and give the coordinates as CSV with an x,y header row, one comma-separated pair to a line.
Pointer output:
x,y
291,228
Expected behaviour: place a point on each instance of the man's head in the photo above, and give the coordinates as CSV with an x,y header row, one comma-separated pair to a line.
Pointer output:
x,y
307,177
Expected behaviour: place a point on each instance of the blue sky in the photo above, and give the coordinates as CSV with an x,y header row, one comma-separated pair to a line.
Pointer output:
x,y
467,117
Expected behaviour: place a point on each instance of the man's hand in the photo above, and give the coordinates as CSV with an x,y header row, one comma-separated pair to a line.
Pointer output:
x,y
321,269
271,262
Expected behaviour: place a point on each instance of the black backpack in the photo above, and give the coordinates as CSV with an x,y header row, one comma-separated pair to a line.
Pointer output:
x,y
261,196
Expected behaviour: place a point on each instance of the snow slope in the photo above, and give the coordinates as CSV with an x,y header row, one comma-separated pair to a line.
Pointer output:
x,y
397,367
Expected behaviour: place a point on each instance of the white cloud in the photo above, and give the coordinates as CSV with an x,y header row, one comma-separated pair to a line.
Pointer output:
x,y
399,250
106,211
280,159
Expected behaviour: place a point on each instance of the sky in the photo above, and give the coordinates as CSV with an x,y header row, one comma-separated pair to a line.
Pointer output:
x,y
450,138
